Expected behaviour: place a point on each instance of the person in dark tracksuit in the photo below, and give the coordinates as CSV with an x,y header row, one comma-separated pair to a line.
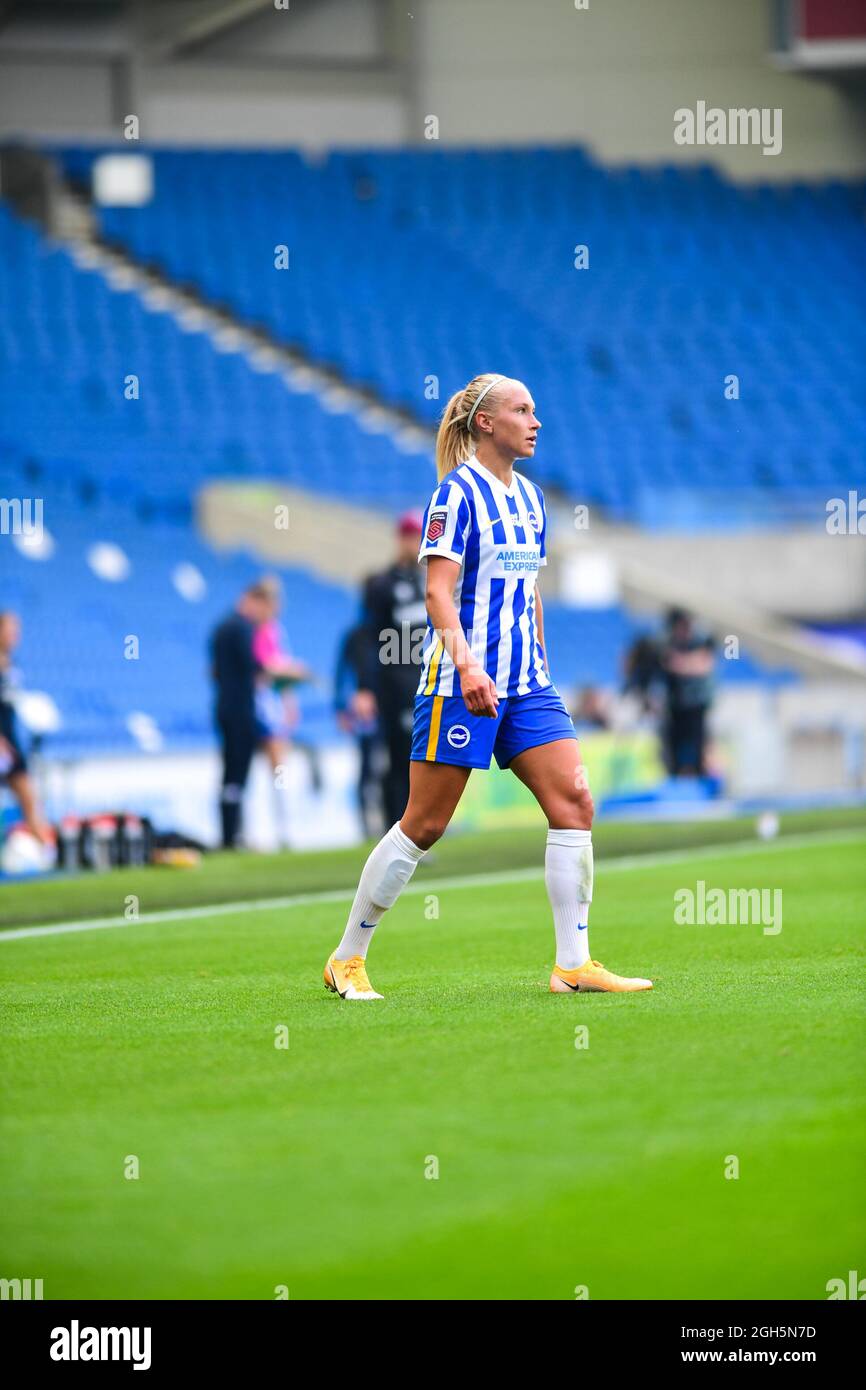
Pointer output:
x,y
235,670
396,617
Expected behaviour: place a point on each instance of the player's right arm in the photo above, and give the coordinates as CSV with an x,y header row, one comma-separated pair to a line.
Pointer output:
x,y
477,688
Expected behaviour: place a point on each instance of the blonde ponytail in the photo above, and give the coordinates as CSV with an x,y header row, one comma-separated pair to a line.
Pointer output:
x,y
456,437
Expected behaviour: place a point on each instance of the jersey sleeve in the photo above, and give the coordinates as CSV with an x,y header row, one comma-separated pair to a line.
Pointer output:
x,y
446,524
542,537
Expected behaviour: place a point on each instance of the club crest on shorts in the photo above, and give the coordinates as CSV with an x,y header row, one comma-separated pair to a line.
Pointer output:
x,y
436,525
458,735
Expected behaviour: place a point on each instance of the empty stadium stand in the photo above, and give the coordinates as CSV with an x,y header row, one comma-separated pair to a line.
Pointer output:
x,y
627,361
439,263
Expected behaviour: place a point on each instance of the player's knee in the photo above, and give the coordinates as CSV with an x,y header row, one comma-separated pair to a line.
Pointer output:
x,y
577,809
426,830
585,808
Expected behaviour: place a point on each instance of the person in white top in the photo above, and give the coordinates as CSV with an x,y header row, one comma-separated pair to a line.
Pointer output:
x,y
485,688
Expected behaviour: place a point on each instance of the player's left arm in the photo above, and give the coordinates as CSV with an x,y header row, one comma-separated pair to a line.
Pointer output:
x,y
539,624
542,560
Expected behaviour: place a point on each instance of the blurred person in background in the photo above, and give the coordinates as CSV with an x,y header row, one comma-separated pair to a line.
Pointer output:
x,y
396,618
237,673
275,704
591,708
357,715
686,660
13,760
642,673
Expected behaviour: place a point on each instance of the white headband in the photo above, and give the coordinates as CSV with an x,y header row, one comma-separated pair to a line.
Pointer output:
x,y
482,394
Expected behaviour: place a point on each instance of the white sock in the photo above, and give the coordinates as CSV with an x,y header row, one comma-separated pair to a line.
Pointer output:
x,y
387,871
568,877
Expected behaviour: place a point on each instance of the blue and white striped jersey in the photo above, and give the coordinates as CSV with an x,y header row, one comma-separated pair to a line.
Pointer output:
x,y
497,536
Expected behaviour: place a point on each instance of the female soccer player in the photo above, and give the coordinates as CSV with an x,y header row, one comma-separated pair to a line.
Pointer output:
x,y
485,687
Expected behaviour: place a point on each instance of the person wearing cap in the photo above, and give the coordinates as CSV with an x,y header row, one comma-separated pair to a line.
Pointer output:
x,y
395,618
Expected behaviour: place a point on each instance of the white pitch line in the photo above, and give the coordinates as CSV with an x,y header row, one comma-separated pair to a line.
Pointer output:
x,y
621,863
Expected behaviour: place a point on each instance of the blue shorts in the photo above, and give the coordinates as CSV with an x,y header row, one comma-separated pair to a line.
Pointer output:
x,y
445,731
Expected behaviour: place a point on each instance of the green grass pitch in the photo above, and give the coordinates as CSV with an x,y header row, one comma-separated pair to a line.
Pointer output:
x,y
558,1167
